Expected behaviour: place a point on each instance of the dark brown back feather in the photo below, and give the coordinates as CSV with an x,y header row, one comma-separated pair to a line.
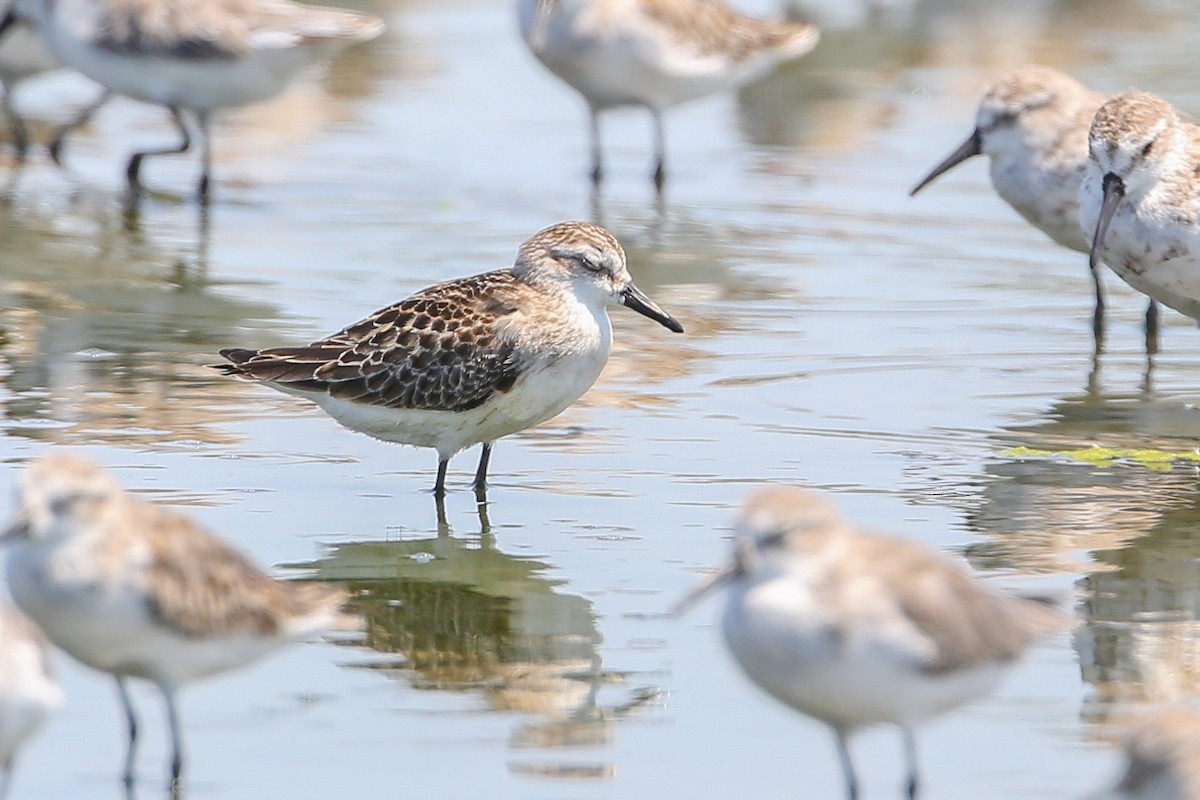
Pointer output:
x,y
442,349
207,30
200,586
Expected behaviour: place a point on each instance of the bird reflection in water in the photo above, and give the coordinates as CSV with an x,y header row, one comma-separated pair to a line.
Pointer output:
x,y
1142,641
1055,499
466,617
100,341
1090,472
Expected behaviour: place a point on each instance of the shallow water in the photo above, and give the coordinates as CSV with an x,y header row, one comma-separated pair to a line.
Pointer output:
x,y
895,351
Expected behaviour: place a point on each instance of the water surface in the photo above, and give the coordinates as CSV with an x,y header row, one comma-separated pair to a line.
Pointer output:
x,y
895,351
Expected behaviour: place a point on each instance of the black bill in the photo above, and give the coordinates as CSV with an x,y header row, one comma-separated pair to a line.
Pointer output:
x,y
634,298
1114,190
973,146
19,529
725,575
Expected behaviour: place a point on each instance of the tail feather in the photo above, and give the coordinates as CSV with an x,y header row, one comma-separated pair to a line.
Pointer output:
x,y
292,365
336,24
321,607
1045,613
793,39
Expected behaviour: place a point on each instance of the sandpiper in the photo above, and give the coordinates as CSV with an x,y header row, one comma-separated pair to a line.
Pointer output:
x,y
28,689
1163,759
137,590
654,53
855,628
1032,125
22,55
192,56
1139,200
471,360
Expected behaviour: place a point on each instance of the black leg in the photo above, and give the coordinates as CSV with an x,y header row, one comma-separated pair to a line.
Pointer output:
x,y
1093,380
59,140
910,753
16,125
1098,314
443,524
660,151
206,157
132,724
439,488
135,162
485,456
485,524
847,766
1152,328
597,154
176,740
5,777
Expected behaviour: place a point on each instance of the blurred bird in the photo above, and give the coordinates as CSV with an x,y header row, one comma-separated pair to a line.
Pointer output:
x,y
192,56
22,55
1032,124
469,361
137,590
856,628
28,689
1139,200
654,54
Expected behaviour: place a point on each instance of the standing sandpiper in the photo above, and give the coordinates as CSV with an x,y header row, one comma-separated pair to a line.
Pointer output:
x,y
195,56
136,590
469,361
22,55
1139,199
856,628
654,54
1033,127
28,689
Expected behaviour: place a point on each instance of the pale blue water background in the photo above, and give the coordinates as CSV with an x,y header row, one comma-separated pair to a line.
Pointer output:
x,y
840,334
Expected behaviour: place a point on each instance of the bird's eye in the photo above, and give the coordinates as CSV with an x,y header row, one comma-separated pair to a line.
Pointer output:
x,y
771,540
62,505
591,263
1146,150
999,119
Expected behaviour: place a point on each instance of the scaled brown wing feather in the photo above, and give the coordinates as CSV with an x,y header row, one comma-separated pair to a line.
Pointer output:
x,y
439,350
968,623
714,29
201,587
223,29
185,29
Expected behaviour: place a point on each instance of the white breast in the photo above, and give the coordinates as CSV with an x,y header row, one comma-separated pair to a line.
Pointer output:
x,y
848,676
564,360
1151,245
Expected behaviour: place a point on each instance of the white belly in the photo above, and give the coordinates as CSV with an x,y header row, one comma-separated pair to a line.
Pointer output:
x,y
628,59
195,84
537,396
109,626
1149,249
27,693
849,679
1047,198
21,714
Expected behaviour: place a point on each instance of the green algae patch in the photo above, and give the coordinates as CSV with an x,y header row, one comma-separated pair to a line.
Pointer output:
x,y
1097,456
